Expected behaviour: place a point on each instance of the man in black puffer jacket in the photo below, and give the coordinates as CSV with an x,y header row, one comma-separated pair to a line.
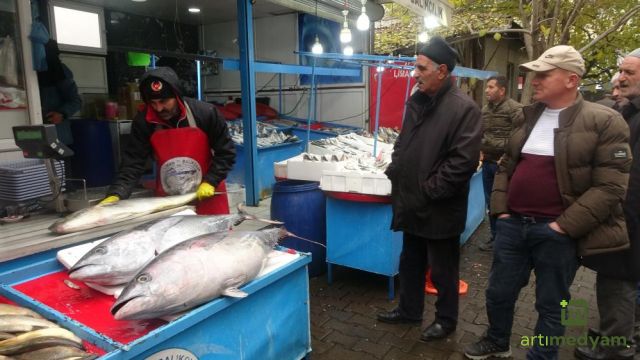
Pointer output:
x,y
433,160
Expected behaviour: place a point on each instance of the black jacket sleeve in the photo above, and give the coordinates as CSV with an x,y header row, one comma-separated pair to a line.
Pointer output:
x,y
134,158
224,151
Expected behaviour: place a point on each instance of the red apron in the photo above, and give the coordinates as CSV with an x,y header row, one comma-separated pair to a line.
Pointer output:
x,y
183,157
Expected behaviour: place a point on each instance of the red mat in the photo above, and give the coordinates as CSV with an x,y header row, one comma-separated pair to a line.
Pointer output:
x,y
87,306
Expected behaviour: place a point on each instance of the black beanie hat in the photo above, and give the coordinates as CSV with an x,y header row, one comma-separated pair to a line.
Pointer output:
x,y
156,88
440,52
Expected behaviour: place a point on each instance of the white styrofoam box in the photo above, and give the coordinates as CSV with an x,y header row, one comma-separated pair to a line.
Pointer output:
x,y
299,169
342,181
280,169
314,149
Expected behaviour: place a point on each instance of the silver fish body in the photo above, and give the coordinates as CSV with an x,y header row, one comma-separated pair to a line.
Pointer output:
x,y
23,323
56,353
39,339
116,260
196,271
8,309
100,215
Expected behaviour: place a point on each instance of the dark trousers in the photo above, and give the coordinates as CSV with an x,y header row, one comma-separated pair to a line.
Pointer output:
x,y
489,169
616,305
519,247
443,256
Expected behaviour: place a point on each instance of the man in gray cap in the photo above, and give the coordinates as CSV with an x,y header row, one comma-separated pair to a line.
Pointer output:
x,y
557,195
433,160
618,273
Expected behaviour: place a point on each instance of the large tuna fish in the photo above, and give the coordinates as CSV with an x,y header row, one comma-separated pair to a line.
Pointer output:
x,y
117,260
100,215
196,271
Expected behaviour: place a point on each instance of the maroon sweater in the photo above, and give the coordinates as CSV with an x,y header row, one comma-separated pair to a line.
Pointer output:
x,y
533,189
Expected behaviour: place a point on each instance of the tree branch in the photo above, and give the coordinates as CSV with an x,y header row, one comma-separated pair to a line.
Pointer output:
x,y
554,24
615,27
477,34
570,20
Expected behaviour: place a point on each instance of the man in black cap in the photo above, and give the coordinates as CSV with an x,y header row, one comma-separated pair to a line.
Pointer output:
x,y
189,140
433,160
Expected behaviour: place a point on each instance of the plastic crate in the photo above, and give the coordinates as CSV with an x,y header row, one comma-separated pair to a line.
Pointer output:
x,y
26,179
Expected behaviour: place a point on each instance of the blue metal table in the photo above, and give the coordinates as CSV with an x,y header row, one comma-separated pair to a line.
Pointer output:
x,y
271,323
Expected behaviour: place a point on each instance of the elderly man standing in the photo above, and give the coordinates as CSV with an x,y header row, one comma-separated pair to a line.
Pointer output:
x,y
498,118
433,160
618,273
558,195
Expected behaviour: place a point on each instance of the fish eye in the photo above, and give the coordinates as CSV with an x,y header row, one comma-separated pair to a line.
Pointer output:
x,y
100,250
143,278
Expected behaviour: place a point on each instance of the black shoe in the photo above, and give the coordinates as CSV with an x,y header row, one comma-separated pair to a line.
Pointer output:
x,y
485,348
589,353
436,331
394,317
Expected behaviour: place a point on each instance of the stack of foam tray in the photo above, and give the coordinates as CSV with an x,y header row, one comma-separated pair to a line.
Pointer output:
x,y
25,179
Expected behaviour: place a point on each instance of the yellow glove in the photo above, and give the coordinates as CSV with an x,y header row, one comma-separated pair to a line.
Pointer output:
x,y
109,199
205,190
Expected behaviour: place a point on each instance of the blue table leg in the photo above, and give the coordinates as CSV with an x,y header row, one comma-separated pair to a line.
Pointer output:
x,y
391,288
329,274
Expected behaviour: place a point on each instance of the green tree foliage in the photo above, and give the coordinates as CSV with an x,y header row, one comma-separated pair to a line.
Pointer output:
x,y
600,29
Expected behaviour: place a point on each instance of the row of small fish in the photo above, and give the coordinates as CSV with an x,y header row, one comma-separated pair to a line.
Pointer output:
x,y
24,334
116,260
196,271
266,135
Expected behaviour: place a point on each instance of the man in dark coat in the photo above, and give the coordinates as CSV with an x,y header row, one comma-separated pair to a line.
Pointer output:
x,y
434,158
618,273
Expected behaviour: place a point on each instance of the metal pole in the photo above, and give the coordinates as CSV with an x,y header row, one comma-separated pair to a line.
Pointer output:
x,y
280,94
406,98
311,110
378,97
152,64
248,90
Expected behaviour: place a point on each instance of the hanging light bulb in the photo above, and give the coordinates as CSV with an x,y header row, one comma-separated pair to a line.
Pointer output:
x,y
348,50
345,33
380,68
423,37
317,47
363,20
431,22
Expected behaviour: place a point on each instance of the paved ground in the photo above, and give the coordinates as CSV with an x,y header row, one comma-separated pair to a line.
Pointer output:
x,y
344,326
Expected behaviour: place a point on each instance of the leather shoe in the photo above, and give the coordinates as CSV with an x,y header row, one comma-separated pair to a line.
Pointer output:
x,y
436,331
588,353
394,317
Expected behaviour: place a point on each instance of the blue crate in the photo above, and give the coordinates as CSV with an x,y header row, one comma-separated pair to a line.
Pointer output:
x,y
266,157
272,322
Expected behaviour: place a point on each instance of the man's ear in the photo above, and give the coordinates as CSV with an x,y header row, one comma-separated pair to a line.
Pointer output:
x,y
442,71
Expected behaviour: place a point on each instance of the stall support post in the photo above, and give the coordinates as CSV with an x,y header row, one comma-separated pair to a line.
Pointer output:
x,y
406,98
378,97
312,103
279,93
248,89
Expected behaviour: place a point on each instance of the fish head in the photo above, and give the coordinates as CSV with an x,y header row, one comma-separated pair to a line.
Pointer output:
x,y
116,260
162,287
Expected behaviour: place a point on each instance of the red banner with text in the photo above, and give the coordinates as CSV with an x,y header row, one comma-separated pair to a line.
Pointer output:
x,y
393,95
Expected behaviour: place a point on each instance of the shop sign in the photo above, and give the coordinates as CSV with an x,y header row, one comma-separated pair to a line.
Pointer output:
x,y
173,354
441,9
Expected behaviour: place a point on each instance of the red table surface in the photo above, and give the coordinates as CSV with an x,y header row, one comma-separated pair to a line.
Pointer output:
x,y
87,306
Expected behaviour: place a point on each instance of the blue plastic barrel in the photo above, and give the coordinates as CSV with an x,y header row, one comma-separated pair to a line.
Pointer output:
x,y
301,206
93,158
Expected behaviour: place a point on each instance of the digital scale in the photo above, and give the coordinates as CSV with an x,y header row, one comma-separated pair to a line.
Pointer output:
x,y
41,142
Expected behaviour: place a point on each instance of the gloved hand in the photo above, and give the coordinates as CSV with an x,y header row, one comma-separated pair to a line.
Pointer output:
x,y
109,199
205,190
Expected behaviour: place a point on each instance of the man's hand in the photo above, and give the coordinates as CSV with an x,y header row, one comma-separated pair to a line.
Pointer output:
x,y
54,117
555,227
110,199
504,216
205,190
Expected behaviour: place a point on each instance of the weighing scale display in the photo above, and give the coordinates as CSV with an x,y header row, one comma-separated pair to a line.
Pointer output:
x,y
21,135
